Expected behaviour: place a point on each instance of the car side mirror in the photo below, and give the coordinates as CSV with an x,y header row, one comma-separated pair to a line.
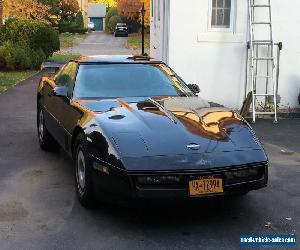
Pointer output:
x,y
194,88
61,91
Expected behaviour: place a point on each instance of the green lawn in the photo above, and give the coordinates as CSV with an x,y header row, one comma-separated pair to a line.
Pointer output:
x,y
69,40
61,56
135,41
10,78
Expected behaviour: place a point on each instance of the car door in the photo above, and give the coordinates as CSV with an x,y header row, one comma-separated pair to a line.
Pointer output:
x,y
47,102
61,109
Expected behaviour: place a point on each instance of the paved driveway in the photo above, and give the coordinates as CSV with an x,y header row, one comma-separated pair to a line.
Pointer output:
x,y
100,43
38,208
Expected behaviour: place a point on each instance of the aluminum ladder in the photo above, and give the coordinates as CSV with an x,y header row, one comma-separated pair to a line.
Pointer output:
x,y
261,63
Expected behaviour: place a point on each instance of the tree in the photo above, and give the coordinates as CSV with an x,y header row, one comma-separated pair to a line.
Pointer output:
x,y
1,13
113,22
79,20
108,3
110,13
131,9
61,11
68,10
53,10
147,14
26,9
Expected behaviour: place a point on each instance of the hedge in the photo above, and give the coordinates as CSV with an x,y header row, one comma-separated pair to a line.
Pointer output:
x,y
111,12
79,20
113,22
19,56
71,27
34,34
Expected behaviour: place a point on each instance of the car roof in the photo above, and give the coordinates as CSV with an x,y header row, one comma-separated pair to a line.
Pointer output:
x,y
116,59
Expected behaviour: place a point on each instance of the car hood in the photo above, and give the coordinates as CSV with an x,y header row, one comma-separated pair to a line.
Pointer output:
x,y
175,127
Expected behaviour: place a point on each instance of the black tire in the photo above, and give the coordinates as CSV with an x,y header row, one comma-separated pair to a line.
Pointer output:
x,y
83,173
46,141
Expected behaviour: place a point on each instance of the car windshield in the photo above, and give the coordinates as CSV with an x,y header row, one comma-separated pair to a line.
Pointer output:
x,y
127,80
121,25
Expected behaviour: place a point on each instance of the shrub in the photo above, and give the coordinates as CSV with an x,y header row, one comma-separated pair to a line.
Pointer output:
x,y
37,58
110,13
33,33
20,56
71,27
113,22
79,20
147,30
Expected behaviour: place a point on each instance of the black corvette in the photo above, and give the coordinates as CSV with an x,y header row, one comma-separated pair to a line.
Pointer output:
x,y
136,130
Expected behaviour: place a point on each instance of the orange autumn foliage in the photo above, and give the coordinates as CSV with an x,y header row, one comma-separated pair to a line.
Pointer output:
x,y
147,14
27,9
1,13
131,9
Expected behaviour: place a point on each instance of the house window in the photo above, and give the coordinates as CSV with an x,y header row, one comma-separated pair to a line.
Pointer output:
x,y
220,13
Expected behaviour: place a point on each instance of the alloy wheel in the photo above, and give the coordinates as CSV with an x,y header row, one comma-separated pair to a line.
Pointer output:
x,y
80,171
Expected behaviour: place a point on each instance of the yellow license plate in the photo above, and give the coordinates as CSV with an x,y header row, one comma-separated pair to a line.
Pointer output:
x,y
206,185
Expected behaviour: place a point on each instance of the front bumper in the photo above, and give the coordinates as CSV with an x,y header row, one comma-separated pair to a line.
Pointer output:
x,y
124,184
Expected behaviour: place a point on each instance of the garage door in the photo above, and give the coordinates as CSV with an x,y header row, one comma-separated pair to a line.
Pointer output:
x,y
98,23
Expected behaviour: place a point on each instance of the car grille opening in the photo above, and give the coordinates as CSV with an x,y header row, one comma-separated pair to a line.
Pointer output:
x,y
230,175
148,181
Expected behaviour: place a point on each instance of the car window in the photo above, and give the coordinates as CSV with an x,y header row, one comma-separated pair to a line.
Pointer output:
x,y
66,77
128,80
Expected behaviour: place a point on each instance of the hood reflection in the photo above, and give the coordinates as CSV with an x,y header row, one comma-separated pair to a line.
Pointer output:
x,y
195,115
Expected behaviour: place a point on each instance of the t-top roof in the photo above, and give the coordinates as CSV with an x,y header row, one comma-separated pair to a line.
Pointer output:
x,y
115,59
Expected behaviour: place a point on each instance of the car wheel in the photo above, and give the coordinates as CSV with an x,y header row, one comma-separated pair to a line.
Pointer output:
x,y
46,141
83,178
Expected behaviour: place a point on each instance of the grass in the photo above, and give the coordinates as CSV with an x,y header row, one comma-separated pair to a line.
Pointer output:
x,y
68,40
135,41
10,78
62,56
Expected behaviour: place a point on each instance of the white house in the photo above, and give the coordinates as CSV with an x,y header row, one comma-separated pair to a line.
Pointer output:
x,y
96,14
204,41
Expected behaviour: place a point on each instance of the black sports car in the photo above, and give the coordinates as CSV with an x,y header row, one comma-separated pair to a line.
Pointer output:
x,y
135,129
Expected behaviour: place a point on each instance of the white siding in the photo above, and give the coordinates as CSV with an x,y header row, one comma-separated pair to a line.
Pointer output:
x,y
156,30
216,59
